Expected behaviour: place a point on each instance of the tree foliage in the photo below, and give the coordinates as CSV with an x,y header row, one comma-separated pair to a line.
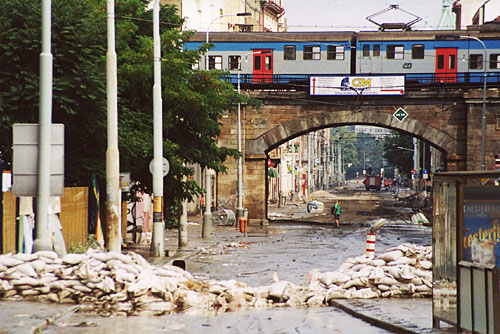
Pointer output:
x,y
193,101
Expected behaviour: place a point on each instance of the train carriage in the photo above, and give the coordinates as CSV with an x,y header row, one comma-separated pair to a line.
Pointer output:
x,y
422,57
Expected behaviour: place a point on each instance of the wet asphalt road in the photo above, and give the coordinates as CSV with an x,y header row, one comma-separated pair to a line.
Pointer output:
x,y
292,250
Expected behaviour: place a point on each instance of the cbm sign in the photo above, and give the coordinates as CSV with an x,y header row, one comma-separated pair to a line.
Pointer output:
x,y
25,160
350,85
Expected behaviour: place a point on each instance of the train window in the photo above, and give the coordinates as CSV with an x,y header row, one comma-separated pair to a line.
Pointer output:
x,y
366,50
267,63
376,50
440,62
256,63
290,52
312,52
451,62
215,62
234,62
395,52
417,51
334,52
495,61
476,62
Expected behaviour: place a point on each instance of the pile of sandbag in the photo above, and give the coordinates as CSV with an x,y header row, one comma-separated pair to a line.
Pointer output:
x,y
111,283
403,271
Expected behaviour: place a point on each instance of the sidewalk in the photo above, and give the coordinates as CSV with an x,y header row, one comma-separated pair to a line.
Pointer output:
x,y
396,315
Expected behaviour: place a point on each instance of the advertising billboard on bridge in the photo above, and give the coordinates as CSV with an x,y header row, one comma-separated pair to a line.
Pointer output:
x,y
358,85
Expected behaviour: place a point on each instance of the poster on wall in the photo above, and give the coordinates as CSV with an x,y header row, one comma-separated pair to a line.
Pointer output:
x,y
481,238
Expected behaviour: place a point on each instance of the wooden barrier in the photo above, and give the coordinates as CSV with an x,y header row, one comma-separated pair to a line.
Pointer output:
x,y
9,223
73,216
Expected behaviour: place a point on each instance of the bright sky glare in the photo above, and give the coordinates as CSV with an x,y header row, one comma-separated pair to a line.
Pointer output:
x,y
350,15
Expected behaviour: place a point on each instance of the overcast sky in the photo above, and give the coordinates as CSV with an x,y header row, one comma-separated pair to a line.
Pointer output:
x,y
350,15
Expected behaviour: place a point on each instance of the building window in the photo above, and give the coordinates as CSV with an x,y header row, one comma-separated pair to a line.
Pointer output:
x,y
417,51
476,62
290,52
366,50
395,52
234,62
312,52
334,52
376,50
215,62
495,61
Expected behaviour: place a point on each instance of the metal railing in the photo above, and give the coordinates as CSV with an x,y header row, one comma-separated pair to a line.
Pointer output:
x,y
412,80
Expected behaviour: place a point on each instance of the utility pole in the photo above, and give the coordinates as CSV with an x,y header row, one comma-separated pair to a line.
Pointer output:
x,y
42,239
113,206
206,232
158,227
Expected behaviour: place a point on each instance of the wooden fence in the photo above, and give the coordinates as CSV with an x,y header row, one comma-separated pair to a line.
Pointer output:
x,y
73,216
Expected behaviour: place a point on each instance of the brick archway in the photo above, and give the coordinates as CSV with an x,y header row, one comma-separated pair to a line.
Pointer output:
x,y
449,120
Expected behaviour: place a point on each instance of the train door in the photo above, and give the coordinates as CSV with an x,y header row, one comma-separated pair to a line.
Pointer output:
x,y
262,66
446,65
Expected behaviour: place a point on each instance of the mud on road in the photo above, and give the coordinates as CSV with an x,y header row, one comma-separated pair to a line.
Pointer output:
x,y
359,207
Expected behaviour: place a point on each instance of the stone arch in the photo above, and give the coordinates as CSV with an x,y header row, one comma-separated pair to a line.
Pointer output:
x,y
293,128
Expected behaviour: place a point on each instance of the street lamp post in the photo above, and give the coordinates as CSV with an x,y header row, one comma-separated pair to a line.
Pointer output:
x,y
483,117
239,208
208,30
158,227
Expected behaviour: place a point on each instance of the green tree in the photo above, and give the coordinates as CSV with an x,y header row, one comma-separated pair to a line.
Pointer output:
x,y
193,100
78,78
402,158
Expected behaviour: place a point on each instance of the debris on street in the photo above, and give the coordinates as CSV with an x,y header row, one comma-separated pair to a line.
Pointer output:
x,y
110,283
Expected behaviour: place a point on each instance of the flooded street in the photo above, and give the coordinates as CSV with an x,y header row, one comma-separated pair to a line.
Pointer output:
x,y
292,250
284,250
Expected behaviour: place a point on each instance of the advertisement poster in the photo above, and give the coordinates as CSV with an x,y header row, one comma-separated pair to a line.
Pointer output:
x,y
481,238
354,86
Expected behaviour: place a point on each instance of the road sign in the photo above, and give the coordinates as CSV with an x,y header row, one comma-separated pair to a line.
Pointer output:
x,y
425,174
400,114
166,166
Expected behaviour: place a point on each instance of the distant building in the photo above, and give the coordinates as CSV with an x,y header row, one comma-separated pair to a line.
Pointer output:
x,y
372,130
476,12
267,15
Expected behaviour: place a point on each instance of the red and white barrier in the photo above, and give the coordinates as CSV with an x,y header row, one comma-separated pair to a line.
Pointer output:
x,y
370,245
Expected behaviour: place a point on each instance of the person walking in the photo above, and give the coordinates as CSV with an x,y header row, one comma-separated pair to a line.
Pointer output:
x,y
336,212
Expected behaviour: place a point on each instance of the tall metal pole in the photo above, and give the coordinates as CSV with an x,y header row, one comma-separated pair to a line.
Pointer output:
x,y
206,231
183,232
42,239
113,210
483,116
239,209
158,227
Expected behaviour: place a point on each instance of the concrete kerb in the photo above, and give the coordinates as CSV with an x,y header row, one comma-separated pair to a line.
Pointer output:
x,y
371,320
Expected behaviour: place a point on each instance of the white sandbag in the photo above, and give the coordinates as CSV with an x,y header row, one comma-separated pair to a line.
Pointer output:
x,y
376,273
356,282
390,256
403,260
74,258
424,264
26,269
337,293
277,289
364,294
407,273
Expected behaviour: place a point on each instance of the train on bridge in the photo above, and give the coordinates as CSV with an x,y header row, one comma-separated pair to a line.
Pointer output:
x,y
292,59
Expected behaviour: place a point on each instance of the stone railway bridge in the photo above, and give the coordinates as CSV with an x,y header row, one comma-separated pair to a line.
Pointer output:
x,y
447,119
